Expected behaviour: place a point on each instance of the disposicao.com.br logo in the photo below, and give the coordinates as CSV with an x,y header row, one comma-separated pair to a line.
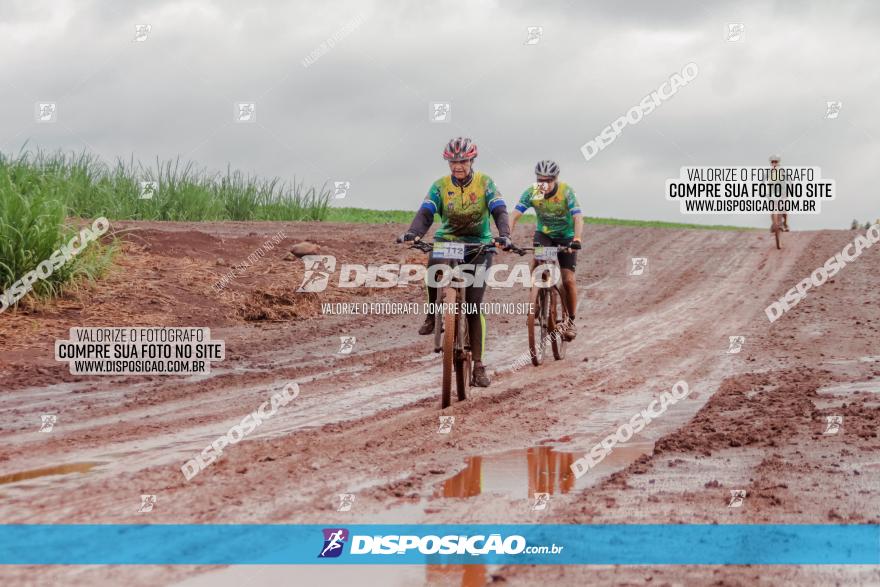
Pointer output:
x,y
334,541
319,268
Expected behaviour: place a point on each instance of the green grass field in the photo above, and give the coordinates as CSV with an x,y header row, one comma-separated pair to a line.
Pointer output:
x,y
405,217
88,187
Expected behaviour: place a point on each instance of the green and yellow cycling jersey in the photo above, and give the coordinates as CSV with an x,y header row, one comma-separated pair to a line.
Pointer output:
x,y
555,211
464,208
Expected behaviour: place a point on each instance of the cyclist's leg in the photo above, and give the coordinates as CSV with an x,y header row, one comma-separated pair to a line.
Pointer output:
x,y
477,322
432,291
428,326
568,264
473,297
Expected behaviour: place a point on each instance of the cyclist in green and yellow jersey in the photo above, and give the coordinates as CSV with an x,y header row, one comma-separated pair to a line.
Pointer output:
x,y
560,224
464,200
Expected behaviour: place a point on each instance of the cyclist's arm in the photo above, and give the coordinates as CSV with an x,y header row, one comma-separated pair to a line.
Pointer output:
x,y
422,222
425,215
578,225
499,214
574,209
515,218
525,202
498,209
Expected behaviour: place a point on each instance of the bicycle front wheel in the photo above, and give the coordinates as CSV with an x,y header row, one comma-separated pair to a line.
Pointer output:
x,y
558,323
536,324
449,332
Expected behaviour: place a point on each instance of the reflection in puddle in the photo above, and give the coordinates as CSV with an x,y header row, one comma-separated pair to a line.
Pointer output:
x,y
463,575
540,469
46,471
520,474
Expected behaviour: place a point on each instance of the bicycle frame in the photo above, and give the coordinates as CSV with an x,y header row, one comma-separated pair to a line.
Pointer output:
x,y
475,251
559,286
544,312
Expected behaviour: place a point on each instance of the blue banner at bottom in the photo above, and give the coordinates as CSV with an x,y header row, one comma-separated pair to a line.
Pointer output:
x,y
636,544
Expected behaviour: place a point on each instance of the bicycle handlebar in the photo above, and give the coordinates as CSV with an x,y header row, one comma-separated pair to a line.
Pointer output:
x,y
522,251
428,247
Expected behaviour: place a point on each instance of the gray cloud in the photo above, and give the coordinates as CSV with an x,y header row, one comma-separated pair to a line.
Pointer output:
x,y
360,112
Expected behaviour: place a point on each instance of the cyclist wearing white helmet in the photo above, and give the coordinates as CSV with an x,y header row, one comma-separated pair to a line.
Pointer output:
x,y
560,224
464,200
775,176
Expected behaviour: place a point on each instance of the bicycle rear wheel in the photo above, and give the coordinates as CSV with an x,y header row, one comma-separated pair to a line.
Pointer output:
x,y
449,332
537,324
558,323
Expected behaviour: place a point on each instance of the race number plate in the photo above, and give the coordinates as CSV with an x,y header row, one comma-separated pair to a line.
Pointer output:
x,y
546,253
449,251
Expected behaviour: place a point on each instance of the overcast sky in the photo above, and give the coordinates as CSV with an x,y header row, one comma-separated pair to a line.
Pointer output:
x,y
360,111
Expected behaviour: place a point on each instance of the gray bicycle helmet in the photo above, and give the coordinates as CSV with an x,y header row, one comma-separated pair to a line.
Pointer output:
x,y
547,168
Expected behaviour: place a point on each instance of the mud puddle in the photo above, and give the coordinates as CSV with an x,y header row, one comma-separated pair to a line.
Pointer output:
x,y
521,473
546,467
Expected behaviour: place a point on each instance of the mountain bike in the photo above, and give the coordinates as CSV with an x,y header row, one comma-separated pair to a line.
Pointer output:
x,y
548,314
451,336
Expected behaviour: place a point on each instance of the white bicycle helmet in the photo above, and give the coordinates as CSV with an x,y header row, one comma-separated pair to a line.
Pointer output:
x,y
547,168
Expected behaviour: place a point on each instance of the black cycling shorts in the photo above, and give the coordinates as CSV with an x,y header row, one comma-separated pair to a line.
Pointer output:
x,y
472,294
566,260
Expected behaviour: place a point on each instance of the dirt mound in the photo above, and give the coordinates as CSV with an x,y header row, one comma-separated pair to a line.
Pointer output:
x,y
282,304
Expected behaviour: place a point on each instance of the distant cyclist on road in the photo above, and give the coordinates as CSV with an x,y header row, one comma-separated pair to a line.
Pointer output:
x,y
776,177
464,200
560,224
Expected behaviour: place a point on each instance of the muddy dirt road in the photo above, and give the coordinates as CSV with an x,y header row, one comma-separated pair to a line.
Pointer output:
x,y
366,423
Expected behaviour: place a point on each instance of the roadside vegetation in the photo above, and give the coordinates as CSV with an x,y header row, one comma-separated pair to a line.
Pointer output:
x,y
41,195
166,190
34,224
